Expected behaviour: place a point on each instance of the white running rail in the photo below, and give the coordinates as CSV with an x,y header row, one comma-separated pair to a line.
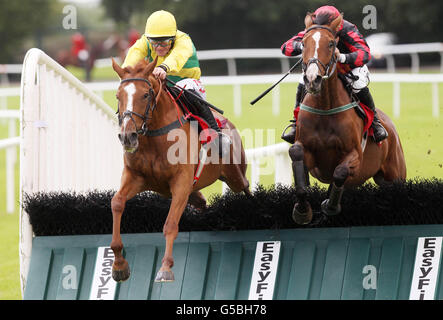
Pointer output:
x,y
10,144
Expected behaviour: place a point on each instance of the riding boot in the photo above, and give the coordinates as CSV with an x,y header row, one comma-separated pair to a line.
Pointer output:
x,y
290,136
205,112
380,132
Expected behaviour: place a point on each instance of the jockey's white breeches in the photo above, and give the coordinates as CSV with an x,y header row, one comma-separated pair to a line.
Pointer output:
x,y
363,78
193,84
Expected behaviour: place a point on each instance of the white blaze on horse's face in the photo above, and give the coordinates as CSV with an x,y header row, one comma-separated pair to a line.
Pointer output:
x,y
312,71
316,38
130,91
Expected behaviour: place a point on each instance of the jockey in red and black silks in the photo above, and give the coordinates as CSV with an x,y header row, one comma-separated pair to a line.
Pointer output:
x,y
354,55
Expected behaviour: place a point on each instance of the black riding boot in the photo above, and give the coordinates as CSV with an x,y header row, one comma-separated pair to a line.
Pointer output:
x,y
205,112
380,132
290,136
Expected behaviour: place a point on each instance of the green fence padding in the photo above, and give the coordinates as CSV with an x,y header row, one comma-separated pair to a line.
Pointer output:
x,y
320,263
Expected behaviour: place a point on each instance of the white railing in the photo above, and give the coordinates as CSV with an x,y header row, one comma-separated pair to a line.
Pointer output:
x,y
10,144
413,50
282,163
396,78
388,51
67,139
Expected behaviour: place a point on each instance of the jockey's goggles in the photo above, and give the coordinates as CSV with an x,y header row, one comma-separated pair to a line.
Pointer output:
x,y
160,42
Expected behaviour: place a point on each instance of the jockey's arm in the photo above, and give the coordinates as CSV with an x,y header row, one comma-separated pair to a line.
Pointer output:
x,y
294,46
179,55
136,53
359,54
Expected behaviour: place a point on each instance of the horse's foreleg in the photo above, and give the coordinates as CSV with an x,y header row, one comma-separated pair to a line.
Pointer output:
x,y
302,212
332,206
129,188
180,196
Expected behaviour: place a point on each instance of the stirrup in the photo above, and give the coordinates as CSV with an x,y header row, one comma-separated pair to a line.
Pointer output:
x,y
285,137
383,132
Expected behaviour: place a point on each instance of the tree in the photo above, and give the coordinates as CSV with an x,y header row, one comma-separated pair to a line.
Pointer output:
x,y
216,24
18,21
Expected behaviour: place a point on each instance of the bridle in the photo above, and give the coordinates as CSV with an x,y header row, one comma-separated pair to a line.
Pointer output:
x,y
152,103
332,62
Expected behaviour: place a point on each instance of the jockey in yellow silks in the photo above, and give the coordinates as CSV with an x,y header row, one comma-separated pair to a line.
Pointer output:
x,y
176,59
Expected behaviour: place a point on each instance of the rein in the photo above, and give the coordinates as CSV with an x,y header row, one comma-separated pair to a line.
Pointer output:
x,y
332,61
150,106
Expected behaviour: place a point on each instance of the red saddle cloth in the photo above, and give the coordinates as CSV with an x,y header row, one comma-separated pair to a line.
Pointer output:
x,y
368,118
208,135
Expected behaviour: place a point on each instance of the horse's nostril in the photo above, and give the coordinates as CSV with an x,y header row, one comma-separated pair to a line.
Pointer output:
x,y
133,136
317,80
120,137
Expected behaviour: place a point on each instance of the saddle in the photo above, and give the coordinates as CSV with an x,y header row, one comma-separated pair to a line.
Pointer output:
x,y
188,104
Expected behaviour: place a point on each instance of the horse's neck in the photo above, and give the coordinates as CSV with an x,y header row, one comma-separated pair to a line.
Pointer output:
x,y
332,94
166,112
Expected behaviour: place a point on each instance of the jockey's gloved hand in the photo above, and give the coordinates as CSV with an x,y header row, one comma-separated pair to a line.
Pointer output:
x,y
159,73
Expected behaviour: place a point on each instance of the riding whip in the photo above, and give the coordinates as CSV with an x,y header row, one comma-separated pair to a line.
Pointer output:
x,y
196,96
275,84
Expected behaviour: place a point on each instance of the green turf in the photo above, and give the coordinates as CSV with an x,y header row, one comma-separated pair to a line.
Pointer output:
x,y
420,134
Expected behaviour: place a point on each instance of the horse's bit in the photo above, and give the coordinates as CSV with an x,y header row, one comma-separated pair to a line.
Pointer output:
x,y
332,61
152,103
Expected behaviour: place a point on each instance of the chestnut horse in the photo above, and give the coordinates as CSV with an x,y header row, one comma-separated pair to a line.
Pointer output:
x,y
147,114
329,132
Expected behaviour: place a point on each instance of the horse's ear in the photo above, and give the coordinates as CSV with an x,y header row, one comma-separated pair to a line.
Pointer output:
x,y
309,21
150,67
120,71
335,24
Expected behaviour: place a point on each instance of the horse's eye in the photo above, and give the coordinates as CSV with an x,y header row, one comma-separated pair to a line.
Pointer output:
x,y
331,45
146,96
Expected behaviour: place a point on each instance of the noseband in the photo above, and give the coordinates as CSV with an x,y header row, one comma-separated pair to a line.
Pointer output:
x,y
332,62
152,103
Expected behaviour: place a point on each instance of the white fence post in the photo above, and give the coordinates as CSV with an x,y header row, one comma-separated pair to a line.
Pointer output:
x,y
276,101
435,100
237,100
11,159
396,99
10,144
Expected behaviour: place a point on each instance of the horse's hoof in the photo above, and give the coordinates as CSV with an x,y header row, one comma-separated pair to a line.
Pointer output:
x,y
328,210
164,276
121,275
302,216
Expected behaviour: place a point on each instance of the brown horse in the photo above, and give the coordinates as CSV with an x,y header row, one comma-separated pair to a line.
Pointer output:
x,y
147,114
329,132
